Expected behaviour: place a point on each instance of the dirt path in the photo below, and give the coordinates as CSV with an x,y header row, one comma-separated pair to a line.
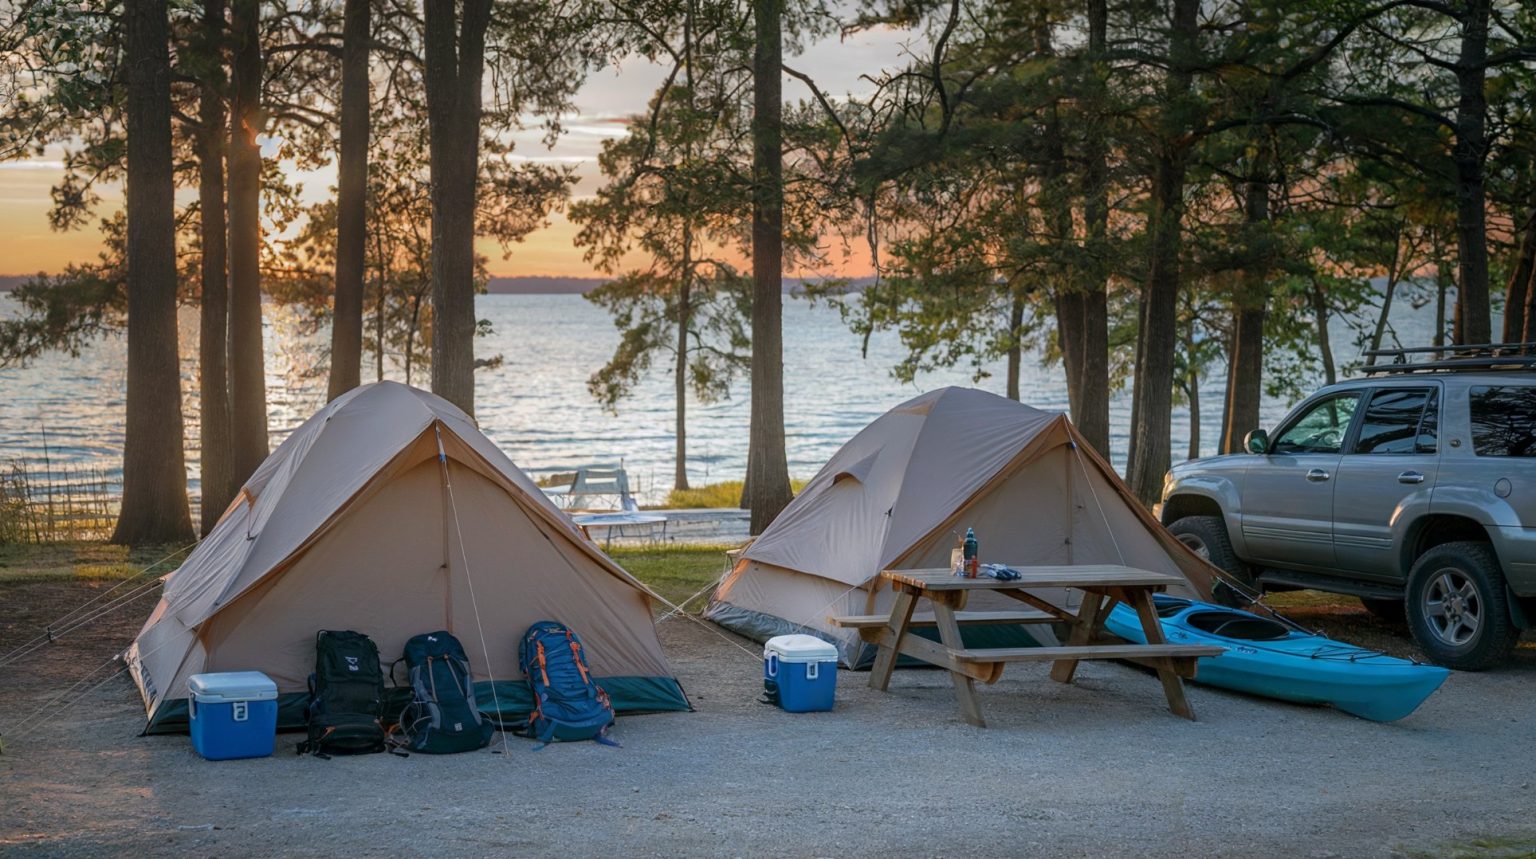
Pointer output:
x,y
1095,769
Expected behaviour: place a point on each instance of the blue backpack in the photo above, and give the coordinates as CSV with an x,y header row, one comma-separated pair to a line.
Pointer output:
x,y
442,717
567,703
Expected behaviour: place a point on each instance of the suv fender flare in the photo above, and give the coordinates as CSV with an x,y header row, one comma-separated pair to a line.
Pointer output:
x,y
1197,495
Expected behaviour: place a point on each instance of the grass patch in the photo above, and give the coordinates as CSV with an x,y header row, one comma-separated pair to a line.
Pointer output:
x,y
675,572
83,560
725,494
1486,848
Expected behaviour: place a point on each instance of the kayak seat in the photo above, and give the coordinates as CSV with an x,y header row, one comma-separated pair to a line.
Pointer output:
x,y
1229,624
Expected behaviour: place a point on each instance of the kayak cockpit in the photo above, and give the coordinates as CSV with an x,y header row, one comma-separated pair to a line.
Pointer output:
x,y
1241,626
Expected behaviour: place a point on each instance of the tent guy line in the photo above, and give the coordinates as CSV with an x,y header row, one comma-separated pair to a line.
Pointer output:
x,y
50,632
453,505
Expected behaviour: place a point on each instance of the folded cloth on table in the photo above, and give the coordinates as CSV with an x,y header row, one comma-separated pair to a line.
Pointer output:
x,y
1001,572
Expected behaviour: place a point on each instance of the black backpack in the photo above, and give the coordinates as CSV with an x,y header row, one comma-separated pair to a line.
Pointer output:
x,y
442,717
346,696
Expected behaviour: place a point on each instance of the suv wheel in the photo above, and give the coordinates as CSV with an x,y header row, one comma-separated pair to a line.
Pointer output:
x,y
1457,607
1207,536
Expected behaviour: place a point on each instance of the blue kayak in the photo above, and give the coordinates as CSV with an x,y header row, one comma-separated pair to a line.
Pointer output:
x,y
1265,657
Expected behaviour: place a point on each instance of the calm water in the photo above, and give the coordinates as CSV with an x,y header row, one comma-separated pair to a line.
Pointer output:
x,y
536,405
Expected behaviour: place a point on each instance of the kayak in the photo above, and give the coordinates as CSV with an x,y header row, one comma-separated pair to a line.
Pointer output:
x,y
1265,657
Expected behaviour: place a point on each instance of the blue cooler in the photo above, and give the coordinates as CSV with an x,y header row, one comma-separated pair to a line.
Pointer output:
x,y
800,671
234,714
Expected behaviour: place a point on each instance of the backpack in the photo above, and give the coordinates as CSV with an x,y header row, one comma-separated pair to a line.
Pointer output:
x,y
442,717
346,696
567,703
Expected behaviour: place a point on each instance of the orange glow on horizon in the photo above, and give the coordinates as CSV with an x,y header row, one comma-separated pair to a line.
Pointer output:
x,y
28,245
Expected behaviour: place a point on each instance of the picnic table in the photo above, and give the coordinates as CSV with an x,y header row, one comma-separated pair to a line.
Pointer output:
x,y
618,521
1101,585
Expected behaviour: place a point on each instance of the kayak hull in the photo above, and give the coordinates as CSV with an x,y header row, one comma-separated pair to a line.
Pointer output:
x,y
1298,667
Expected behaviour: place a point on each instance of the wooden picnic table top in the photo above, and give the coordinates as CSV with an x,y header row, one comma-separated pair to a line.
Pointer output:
x,y
1056,576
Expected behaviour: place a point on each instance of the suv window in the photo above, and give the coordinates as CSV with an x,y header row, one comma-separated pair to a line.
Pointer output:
x,y
1396,420
1504,421
1321,428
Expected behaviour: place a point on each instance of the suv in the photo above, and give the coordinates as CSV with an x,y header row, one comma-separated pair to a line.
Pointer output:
x,y
1413,488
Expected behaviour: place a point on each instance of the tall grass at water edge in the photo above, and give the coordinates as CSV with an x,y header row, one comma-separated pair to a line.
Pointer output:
x,y
48,503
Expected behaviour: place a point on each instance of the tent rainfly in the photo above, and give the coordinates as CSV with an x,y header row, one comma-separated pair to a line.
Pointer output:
x,y
899,493
389,513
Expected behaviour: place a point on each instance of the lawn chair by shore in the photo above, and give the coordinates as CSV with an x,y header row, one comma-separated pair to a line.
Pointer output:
x,y
592,484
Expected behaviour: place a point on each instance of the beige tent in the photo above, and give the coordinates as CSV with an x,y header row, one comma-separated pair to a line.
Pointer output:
x,y
899,493
388,512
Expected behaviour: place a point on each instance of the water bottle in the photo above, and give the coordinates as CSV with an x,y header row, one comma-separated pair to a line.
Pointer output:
x,y
972,564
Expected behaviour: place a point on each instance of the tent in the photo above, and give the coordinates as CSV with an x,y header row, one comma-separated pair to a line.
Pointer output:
x,y
899,494
388,512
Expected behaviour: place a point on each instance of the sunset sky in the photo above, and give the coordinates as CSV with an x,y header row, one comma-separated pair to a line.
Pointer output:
x,y
28,245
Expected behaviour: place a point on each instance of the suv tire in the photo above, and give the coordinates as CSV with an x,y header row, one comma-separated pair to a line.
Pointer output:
x,y
1458,607
1207,537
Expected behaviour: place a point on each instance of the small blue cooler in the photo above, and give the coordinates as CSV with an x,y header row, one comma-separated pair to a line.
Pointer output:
x,y
233,714
800,671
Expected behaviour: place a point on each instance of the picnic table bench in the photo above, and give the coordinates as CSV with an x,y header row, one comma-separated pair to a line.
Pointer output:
x,y
1102,586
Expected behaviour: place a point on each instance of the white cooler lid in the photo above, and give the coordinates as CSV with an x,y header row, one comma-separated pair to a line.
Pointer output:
x,y
228,686
800,648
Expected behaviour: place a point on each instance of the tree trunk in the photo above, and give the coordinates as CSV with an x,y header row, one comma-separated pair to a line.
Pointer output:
x,y
1015,347
1442,286
378,327
680,380
1245,378
247,379
1516,295
455,64
1470,154
1529,327
218,467
1394,273
768,470
1324,342
1057,205
1091,412
351,203
1158,334
154,507
1192,391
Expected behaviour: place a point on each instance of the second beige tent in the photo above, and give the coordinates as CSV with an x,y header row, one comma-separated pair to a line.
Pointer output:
x,y
899,493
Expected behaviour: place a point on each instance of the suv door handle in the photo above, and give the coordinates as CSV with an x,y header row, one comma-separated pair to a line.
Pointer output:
x,y
1318,475
1410,477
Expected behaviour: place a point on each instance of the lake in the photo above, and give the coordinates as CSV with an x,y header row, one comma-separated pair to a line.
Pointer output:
x,y
69,412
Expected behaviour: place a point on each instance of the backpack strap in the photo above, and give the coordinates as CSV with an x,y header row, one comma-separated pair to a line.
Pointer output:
x,y
581,664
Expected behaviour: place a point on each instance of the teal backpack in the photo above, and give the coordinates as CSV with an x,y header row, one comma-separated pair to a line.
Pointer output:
x,y
442,717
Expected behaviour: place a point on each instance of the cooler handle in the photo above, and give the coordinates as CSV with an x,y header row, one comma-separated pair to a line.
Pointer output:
x,y
773,665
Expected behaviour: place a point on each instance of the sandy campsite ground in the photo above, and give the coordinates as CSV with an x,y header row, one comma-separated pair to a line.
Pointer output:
x,y
1100,768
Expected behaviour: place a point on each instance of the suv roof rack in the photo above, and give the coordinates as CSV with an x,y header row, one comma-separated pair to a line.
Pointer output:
x,y
1479,356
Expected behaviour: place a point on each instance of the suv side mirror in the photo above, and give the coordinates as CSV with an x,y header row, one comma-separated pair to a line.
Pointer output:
x,y
1256,441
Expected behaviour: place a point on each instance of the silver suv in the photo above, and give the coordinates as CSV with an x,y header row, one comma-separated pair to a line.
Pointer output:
x,y
1413,488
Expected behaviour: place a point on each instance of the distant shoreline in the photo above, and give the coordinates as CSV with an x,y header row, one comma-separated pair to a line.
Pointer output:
x,y
523,284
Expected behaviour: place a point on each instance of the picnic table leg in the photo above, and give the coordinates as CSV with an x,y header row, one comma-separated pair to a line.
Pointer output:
x,y
885,658
949,634
1173,685
1088,616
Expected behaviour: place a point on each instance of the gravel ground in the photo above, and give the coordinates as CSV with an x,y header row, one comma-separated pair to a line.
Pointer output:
x,y
1094,769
